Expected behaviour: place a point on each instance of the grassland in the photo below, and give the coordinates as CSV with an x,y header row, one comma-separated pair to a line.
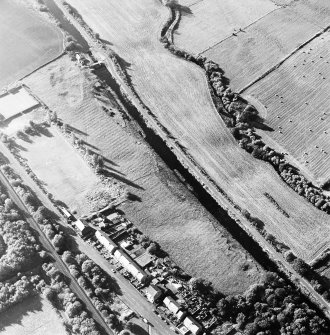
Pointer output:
x,y
296,96
206,23
176,92
27,41
274,36
166,210
34,316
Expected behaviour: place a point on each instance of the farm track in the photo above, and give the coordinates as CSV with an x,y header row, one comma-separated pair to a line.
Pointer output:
x,y
96,315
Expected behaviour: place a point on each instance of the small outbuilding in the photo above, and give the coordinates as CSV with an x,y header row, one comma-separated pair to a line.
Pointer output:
x,y
153,293
192,325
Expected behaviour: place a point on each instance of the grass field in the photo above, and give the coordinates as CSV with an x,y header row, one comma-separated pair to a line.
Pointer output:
x,y
34,316
274,37
26,41
167,210
62,170
205,23
176,92
298,91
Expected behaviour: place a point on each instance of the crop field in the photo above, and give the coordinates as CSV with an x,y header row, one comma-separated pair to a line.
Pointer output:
x,y
34,315
296,97
27,41
176,91
206,23
166,210
273,37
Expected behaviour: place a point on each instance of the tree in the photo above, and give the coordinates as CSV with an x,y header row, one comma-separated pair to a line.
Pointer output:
x,y
300,266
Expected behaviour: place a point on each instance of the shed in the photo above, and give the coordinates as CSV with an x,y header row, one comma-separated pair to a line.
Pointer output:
x,y
83,228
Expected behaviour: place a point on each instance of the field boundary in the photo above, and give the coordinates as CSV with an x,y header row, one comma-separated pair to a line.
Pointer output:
x,y
231,36
275,67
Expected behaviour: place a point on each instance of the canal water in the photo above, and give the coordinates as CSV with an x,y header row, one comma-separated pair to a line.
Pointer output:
x,y
66,24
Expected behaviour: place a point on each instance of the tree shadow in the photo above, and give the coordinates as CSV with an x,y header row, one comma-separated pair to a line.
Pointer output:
x,y
122,179
16,313
138,330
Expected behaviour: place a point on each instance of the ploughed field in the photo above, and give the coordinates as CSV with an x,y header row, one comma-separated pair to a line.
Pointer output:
x,y
296,100
27,41
176,92
164,209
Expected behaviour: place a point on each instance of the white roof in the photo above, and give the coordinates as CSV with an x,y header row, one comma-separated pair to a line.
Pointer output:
x,y
172,305
192,325
80,225
106,241
113,216
130,265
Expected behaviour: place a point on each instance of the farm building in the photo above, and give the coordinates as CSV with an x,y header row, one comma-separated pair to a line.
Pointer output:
x,y
153,293
107,242
192,325
114,217
83,228
144,260
15,102
174,307
66,213
130,266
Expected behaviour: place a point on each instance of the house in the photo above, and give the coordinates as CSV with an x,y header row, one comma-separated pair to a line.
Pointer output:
x,y
107,242
130,266
192,325
153,293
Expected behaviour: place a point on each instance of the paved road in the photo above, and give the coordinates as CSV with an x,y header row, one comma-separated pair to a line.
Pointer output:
x,y
59,262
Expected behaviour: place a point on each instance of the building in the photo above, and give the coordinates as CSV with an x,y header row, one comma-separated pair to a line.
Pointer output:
x,y
153,293
130,266
144,260
183,330
194,327
114,217
175,308
66,213
83,228
107,242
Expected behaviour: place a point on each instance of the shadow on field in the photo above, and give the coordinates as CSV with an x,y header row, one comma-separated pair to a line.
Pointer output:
x,y
122,179
138,330
14,315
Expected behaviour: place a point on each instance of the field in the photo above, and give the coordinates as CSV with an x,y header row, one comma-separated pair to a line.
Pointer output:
x,y
16,101
63,172
176,92
274,36
298,91
166,210
27,41
206,23
34,316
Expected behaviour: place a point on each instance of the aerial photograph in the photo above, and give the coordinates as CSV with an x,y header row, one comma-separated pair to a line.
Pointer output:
x,y
165,167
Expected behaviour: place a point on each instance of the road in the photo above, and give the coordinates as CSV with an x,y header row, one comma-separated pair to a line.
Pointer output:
x,y
58,260
209,185
130,295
